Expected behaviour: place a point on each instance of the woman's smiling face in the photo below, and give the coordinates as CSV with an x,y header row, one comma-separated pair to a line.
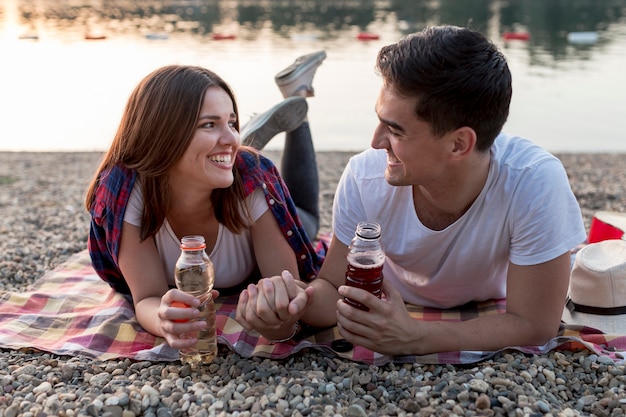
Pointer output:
x,y
208,160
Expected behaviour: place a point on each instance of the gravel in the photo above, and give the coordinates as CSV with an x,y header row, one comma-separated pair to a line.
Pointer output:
x,y
43,222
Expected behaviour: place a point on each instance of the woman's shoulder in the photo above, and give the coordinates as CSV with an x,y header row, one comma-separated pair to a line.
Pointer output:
x,y
117,173
115,181
253,159
115,185
251,163
256,170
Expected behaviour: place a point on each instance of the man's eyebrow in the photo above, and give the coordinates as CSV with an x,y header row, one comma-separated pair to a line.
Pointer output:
x,y
392,124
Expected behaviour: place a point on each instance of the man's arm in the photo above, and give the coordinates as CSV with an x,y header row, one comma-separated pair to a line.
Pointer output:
x,y
280,299
535,299
323,311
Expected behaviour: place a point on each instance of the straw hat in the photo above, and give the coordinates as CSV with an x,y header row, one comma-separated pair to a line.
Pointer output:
x,y
597,288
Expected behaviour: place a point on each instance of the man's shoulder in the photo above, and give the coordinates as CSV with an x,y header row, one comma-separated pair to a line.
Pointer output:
x,y
369,164
519,153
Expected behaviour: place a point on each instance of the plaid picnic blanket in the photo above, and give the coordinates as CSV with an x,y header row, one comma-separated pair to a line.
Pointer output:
x,y
71,311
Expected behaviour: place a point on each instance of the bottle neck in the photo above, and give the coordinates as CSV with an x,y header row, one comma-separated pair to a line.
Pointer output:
x,y
368,231
193,242
192,247
366,238
194,251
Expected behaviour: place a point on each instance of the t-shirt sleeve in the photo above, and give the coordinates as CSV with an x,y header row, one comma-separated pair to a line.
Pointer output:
x,y
134,208
257,204
348,208
548,220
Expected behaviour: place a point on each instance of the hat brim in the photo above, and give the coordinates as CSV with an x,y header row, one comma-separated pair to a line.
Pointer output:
x,y
608,324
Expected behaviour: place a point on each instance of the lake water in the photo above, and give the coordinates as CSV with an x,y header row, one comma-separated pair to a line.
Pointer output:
x,y
62,92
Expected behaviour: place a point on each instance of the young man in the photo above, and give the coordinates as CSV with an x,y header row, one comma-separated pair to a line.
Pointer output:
x,y
467,213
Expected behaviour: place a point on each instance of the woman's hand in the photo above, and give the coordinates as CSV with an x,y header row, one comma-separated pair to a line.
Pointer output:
x,y
273,305
178,314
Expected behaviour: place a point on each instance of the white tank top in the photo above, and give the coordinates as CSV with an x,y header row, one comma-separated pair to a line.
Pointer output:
x,y
233,255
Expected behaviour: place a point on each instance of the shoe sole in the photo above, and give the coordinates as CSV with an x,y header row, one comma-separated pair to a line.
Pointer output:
x,y
283,117
294,70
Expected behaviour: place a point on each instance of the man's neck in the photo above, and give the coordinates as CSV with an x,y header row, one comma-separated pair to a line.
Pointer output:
x,y
441,205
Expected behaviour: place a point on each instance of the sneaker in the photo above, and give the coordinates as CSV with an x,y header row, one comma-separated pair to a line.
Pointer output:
x,y
283,117
300,74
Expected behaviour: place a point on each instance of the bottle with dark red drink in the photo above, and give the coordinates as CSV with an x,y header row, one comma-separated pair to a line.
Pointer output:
x,y
365,261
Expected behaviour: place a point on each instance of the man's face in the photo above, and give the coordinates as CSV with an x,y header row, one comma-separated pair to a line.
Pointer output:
x,y
414,155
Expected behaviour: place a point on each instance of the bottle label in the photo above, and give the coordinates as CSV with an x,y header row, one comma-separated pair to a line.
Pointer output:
x,y
366,274
194,279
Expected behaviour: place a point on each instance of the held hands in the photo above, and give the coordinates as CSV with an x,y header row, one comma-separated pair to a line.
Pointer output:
x,y
273,305
177,314
385,328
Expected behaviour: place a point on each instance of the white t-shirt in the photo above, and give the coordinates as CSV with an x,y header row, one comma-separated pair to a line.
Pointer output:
x,y
233,255
525,214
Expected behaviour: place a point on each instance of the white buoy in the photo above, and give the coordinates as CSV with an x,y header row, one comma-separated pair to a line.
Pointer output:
x,y
582,38
157,36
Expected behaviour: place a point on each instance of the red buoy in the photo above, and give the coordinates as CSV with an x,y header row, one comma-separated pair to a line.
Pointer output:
x,y
223,36
519,36
92,37
367,36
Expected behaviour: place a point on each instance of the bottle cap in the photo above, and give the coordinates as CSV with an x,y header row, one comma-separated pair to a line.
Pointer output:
x,y
193,242
341,345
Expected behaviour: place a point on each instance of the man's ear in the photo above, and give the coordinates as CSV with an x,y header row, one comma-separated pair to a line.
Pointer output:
x,y
464,141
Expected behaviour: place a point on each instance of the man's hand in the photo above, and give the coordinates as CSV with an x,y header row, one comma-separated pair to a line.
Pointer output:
x,y
272,304
387,326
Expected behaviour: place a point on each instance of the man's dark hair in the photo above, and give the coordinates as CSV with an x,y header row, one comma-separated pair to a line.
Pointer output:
x,y
459,77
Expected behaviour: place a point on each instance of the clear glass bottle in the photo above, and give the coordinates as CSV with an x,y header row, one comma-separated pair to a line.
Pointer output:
x,y
365,261
194,275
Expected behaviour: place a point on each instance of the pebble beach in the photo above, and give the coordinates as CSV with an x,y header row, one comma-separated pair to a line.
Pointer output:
x,y
43,222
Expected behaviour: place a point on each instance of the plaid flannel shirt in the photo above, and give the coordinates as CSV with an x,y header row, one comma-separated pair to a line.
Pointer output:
x,y
116,184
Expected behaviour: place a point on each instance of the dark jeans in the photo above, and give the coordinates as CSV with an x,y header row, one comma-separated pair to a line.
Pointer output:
x,y
299,171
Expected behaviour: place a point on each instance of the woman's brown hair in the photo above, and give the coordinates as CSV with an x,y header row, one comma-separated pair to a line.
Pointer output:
x,y
156,128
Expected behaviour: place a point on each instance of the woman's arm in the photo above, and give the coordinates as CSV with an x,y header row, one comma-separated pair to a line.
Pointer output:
x,y
270,306
280,299
143,271
323,311
273,253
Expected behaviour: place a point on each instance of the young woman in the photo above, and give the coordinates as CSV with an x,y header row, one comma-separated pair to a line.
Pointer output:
x,y
176,167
